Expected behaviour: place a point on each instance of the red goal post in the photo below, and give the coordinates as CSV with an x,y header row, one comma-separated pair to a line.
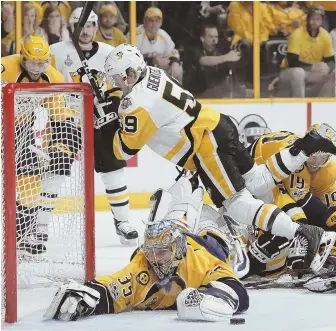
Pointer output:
x,y
82,183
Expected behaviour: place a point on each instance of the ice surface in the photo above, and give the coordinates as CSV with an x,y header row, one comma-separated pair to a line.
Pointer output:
x,y
270,310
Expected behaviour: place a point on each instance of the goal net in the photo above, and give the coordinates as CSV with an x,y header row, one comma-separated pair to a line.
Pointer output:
x,y
47,187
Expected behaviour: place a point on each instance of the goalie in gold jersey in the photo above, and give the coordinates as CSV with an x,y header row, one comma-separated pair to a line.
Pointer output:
x,y
307,195
36,194
174,268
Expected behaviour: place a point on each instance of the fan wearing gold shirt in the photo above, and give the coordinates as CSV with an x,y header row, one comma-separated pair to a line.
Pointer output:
x,y
310,58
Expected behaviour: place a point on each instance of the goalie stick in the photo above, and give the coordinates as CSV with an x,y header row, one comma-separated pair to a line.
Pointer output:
x,y
101,117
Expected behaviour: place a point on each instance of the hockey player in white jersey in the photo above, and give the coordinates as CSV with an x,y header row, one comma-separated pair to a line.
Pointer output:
x,y
158,112
112,172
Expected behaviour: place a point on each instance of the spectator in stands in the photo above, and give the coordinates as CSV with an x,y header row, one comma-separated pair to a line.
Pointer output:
x,y
286,17
240,19
7,28
310,58
63,6
107,32
216,9
157,46
330,12
333,36
212,65
31,19
53,25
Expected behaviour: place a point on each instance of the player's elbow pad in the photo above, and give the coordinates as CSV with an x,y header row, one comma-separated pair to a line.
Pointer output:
x,y
259,181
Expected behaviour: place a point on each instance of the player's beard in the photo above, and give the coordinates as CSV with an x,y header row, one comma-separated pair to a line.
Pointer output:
x,y
85,42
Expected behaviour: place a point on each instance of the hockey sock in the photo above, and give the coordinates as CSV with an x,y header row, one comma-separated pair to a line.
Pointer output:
x,y
117,193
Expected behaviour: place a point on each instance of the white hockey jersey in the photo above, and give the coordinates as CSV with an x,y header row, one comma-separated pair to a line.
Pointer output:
x,y
160,113
66,60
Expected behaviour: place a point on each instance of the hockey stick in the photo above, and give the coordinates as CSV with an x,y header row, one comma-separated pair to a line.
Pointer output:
x,y
100,117
88,6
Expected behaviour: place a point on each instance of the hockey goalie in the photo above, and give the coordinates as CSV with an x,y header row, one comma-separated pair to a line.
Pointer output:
x,y
186,263
40,172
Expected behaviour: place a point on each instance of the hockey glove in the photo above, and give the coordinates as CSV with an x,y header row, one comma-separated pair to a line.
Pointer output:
x,y
72,301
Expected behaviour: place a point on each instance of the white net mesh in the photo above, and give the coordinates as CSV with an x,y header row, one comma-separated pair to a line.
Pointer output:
x,y
3,283
50,217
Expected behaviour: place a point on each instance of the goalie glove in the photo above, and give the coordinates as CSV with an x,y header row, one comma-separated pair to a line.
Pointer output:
x,y
193,305
72,301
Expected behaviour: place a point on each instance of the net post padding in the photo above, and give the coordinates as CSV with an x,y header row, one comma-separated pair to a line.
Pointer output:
x,y
9,257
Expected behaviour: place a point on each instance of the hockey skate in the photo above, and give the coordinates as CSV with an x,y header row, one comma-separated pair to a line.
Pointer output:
x,y
42,233
310,248
28,245
126,233
319,139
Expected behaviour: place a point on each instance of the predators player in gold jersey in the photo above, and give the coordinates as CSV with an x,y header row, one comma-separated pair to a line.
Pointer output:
x,y
157,111
307,195
36,194
173,269
31,66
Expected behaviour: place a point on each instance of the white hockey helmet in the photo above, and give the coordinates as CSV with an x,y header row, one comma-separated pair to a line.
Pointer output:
x,y
123,58
75,15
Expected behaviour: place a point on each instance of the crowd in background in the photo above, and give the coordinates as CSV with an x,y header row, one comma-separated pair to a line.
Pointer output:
x,y
206,45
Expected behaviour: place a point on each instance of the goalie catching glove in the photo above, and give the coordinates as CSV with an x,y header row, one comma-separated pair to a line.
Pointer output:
x,y
72,301
217,303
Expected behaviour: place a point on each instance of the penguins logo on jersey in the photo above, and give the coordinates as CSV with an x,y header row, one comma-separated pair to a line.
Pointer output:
x,y
80,77
251,127
120,55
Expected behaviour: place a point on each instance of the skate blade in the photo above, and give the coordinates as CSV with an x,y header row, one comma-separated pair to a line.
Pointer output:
x,y
320,285
128,242
327,242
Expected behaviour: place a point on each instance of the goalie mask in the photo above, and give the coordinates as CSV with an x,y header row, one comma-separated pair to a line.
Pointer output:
x,y
164,247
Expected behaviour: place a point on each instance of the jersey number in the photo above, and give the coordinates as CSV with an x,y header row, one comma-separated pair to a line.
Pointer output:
x,y
127,290
330,198
129,124
184,98
296,182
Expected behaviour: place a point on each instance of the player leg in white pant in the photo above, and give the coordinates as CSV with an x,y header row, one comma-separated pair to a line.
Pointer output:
x,y
222,172
117,195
